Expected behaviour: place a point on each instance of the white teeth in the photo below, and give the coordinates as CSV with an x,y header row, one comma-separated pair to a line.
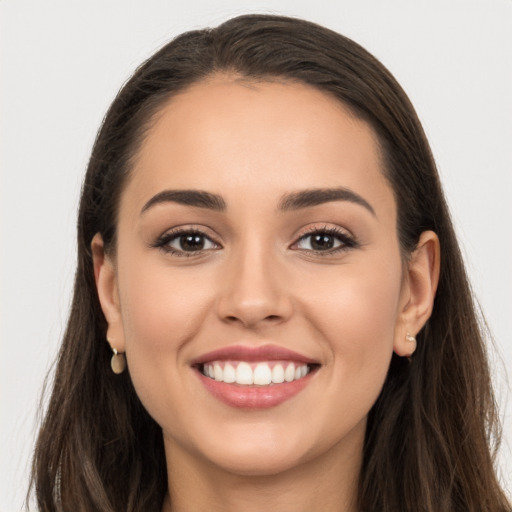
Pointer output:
x,y
244,374
261,374
278,374
289,373
217,372
229,374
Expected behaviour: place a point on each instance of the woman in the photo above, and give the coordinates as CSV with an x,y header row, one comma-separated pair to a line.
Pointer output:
x,y
262,235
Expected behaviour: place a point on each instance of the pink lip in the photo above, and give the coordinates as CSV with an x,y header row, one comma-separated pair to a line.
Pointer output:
x,y
253,397
252,354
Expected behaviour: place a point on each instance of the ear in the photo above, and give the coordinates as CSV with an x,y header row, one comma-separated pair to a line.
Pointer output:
x,y
421,278
106,284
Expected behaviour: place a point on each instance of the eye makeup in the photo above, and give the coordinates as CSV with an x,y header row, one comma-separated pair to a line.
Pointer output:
x,y
188,241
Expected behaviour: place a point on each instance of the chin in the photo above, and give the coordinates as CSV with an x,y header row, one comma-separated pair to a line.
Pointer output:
x,y
258,463
261,449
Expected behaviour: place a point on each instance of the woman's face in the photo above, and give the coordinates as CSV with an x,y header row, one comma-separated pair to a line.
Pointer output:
x,y
257,241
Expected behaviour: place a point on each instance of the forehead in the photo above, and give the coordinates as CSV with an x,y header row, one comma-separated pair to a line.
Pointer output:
x,y
229,135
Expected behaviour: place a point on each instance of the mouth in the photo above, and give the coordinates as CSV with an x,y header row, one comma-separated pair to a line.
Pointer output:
x,y
254,378
264,373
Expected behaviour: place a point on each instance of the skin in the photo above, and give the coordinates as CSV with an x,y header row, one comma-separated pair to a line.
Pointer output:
x,y
259,282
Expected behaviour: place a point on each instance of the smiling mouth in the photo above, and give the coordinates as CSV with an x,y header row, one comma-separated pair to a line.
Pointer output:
x,y
263,373
248,377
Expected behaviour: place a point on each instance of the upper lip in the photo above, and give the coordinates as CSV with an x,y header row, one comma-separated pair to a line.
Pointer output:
x,y
252,354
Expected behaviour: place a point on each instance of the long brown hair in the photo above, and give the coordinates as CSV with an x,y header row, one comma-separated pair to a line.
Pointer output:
x,y
430,435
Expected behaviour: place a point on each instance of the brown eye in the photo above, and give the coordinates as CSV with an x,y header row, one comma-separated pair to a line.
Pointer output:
x,y
186,243
322,242
191,242
325,240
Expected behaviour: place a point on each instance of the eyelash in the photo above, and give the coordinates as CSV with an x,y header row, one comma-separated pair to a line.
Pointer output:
x,y
169,236
347,242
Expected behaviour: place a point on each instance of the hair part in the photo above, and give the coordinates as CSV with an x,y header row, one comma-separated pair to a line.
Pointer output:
x,y
430,433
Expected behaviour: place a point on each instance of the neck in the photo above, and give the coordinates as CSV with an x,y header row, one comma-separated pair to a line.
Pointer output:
x,y
327,483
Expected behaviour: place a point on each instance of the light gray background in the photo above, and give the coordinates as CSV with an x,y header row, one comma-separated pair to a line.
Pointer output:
x,y
62,63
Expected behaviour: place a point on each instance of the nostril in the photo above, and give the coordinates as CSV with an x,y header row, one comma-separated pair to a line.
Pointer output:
x,y
248,321
251,310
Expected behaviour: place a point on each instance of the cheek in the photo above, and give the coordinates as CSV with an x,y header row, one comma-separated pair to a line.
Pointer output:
x,y
365,311
360,298
161,303
161,311
372,306
356,320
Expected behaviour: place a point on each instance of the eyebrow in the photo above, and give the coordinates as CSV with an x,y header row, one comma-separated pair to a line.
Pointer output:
x,y
316,196
289,202
196,198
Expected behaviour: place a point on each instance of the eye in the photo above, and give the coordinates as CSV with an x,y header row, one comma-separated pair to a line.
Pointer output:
x,y
326,240
185,242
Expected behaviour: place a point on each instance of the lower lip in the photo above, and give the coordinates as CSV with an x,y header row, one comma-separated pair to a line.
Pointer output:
x,y
254,397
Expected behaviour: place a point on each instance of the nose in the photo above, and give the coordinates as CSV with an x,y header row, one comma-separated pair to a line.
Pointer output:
x,y
254,290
